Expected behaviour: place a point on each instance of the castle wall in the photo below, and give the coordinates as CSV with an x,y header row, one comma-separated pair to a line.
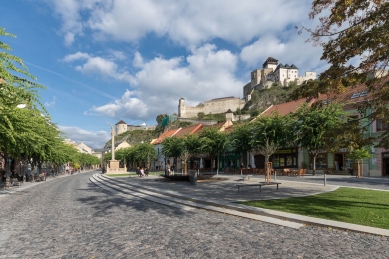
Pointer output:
x,y
212,106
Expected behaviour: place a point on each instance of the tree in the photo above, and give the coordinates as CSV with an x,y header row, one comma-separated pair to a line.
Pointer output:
x,y
192,146
315,126
200,115
349,31
16,92
359,154
145,152
213,142
160,118
241,139
173,147
271,133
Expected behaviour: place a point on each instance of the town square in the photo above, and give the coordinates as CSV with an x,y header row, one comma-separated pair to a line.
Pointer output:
x,y
204,129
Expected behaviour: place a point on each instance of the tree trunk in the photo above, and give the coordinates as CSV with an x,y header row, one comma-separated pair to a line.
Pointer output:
x,y
267,173
7,168
212,164
314,164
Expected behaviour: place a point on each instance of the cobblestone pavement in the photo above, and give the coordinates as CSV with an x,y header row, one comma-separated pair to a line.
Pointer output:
x,y
72,218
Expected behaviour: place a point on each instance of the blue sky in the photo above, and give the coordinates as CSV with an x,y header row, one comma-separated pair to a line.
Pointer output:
x,y
103,61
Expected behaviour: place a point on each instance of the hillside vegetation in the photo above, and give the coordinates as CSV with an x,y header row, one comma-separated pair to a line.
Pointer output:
x,y
134,137
262,99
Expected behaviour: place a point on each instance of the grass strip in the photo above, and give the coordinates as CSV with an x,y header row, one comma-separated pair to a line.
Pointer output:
x,y
351,205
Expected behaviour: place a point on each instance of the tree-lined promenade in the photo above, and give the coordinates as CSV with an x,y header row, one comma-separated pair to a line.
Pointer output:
x,y
27,133
314,127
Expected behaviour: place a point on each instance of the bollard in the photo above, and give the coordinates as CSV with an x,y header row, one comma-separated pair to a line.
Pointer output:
x,y
275,175
325,180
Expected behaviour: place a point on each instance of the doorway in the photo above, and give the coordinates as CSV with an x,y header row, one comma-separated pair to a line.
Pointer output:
x,y
385,168
339,159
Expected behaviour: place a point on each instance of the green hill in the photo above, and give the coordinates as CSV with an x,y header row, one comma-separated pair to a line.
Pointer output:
x,y
262,99
134,137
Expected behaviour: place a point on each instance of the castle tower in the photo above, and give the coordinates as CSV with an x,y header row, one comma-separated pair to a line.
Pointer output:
x,y
229,115
181,108
121,127
270,63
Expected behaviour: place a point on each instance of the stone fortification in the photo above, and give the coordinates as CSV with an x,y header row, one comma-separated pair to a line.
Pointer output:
x,y
271,73
194,121
219,105
122,127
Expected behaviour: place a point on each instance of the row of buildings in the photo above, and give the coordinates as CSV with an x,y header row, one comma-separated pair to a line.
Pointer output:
x,y
289,157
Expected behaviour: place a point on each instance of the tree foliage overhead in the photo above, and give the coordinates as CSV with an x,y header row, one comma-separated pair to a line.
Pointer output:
x,y
354,35
26,130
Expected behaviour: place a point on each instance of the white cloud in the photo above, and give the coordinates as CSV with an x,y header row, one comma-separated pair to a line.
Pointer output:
x,y
76,56
94,139
205,74
118,55
184,22
98,65
127,107
52,103
102,66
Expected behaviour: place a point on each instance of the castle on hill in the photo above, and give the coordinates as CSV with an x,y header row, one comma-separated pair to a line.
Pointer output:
x,y
271,73
122,127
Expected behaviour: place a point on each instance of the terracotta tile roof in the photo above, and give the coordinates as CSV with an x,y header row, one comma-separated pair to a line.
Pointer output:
x,y
221,126
189,130
168,133
352,95
288,107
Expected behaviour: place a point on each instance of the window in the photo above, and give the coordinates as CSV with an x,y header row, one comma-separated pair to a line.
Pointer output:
x,y
382,126
321,161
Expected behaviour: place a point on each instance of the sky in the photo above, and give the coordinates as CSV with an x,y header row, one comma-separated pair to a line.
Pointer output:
x,y
103,61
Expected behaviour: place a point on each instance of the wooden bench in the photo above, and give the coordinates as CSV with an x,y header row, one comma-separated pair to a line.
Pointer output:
x,y
257,184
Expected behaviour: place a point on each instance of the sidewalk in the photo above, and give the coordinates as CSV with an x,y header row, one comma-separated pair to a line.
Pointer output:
x,y
13,189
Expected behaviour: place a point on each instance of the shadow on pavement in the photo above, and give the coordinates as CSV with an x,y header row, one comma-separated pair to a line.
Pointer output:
x,y
105,205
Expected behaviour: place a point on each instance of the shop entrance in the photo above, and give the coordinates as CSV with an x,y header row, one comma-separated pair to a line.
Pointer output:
x,y
339,159
385,167
342,162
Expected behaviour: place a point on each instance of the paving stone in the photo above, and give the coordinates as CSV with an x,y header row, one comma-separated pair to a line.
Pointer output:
x,y
72,218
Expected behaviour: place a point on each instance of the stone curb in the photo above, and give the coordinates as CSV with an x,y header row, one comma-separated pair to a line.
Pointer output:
x,y
272,213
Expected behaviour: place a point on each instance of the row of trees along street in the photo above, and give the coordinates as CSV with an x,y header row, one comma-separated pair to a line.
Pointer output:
x,y
314,128
27,133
